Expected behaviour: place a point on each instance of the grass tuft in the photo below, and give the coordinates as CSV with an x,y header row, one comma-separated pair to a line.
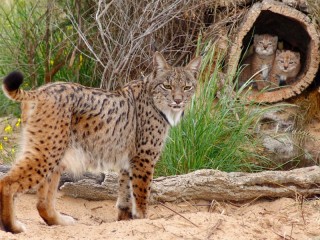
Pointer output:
x,y
216,133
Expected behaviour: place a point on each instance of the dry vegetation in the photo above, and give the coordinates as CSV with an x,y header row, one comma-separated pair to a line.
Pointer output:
x,y
130,31
121,36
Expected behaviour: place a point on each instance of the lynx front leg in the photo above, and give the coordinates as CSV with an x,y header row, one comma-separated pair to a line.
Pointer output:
x,y
124,202
46,202
142,173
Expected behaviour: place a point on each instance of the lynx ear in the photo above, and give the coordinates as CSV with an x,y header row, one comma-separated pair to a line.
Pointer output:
x,y
278,52
159,63
297,54
194,66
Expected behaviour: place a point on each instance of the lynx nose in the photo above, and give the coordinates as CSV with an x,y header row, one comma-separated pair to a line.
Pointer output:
x,y
178,100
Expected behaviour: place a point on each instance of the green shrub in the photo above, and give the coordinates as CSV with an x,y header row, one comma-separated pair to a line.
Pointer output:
x,y
216,133
40,41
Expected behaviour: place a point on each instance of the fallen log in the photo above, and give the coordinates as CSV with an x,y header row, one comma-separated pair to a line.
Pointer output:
x,y
237,186
202,184
210,185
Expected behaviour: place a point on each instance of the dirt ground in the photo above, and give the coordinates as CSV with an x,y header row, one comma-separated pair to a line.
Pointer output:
x,y
261,219
277,219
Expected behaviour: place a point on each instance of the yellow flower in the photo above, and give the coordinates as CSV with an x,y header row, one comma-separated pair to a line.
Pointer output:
x,y
5,138
1,147
8,129
80,60
18,122
51,62
13,150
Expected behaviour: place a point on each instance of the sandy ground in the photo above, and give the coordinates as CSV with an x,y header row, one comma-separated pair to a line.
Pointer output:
x,y
279,219
261,219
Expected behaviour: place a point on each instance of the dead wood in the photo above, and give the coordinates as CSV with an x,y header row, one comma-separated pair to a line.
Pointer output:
x,y
202,184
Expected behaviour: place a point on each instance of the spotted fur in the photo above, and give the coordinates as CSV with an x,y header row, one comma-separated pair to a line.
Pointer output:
x,y
286,67
259,63
69,126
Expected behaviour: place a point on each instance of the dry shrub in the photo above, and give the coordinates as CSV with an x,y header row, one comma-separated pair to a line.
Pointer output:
x,y
122,36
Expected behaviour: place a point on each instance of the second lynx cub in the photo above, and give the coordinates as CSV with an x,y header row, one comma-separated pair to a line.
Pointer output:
x,y
260,62
285,68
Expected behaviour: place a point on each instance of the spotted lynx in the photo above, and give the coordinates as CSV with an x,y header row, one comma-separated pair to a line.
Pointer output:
x,y
260,62
69,126
285,68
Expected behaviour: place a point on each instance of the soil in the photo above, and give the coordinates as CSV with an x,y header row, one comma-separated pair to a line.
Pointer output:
x,y
269,219
283,218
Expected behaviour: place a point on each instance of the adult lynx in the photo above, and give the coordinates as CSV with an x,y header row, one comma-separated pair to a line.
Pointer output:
x,y
67,125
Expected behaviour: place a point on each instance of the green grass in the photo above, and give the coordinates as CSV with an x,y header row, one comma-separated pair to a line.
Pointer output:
x,y
215,133
33,45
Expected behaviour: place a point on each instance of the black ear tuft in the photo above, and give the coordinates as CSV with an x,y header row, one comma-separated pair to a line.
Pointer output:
x,y
13,81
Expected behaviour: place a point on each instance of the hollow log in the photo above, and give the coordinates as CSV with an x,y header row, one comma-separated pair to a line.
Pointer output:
x,y
295,31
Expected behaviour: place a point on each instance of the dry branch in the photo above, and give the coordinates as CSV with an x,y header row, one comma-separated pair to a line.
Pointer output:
x,y
209,185
202,184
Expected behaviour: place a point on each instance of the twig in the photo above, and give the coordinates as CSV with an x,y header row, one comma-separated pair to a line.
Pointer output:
x,y
162,204
283,236
212,230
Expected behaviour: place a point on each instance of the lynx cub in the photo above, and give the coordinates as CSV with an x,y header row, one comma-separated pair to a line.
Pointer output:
x,y
285,68
261,60
70,126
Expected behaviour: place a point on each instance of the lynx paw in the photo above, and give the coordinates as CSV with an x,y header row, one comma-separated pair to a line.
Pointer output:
x,y
65,220
124,214
18,227
138,214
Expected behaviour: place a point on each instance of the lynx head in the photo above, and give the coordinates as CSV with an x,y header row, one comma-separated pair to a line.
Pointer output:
x,y
173,87
287,60
265,44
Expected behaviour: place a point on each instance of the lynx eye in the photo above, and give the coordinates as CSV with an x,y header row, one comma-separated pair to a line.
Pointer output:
x,y
187,88
166,86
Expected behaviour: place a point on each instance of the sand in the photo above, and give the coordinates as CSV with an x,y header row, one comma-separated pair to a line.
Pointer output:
x,y
269,219
283,218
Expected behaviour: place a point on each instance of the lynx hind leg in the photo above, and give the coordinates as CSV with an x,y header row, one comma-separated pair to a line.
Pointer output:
x,y
20,178
46,201
124,202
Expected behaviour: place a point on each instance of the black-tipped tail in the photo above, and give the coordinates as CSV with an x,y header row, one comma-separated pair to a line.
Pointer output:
x,y
13,81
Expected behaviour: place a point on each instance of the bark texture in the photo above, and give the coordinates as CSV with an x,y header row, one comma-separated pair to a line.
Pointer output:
x,y
202,184
210,185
